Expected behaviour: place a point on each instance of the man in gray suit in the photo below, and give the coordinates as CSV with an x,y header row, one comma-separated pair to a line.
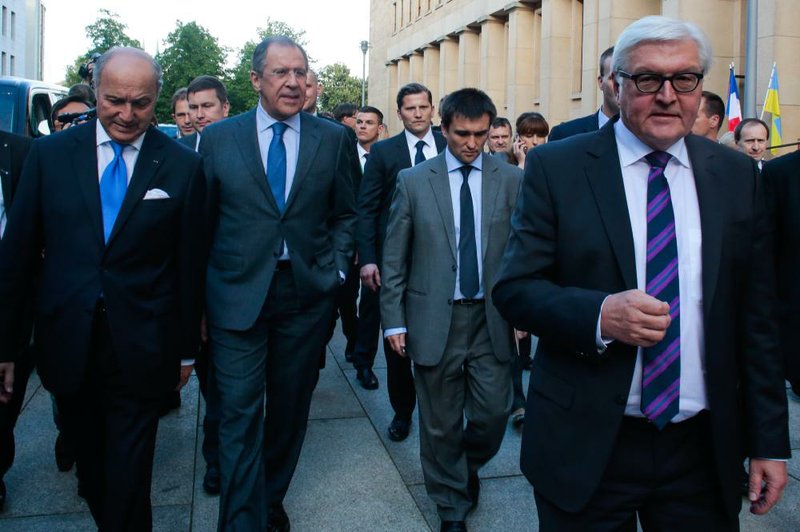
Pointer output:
x,y
448,225
281,219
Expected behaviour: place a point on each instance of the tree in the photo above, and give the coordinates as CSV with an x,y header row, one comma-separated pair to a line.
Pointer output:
x,y
240,90
340,87
104,33
190,52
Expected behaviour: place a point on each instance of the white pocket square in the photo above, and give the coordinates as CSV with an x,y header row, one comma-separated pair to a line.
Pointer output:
x,y
155,193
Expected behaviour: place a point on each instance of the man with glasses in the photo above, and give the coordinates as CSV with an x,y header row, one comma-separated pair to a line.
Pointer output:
x,y
282,211
639,257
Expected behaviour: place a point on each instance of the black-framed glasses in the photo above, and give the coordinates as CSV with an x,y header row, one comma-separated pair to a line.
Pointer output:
x,y
650,82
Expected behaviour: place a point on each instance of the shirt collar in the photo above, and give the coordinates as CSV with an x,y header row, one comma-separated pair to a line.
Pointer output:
x,y
264,121
412,139
104,138
631,149
361,150
601,118
454,164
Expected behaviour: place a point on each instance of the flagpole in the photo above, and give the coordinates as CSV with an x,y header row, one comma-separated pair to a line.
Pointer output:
x,y
751,63
769,85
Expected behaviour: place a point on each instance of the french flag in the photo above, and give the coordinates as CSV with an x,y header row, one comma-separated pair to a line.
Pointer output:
x,y
734,110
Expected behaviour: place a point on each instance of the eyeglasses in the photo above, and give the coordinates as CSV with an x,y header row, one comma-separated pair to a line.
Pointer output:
x,y
283,73
650,82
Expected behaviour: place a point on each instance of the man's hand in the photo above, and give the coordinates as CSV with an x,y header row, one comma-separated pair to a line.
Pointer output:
x,y
772,473
186,372
371,277
398,343
634,318
6,381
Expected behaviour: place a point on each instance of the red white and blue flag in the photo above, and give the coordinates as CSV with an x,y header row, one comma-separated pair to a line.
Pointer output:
x,y
734,108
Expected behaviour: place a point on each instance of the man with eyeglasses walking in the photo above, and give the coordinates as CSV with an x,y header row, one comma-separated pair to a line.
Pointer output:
x,y
639,256
281,218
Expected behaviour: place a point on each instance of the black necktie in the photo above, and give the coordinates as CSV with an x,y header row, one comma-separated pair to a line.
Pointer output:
x,y
467,248
419,157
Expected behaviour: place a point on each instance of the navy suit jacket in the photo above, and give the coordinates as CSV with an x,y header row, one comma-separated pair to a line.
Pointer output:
x,y
571,246
584,124
149,273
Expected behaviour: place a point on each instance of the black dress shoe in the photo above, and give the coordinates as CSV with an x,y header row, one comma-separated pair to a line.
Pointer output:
x,y
398,429
2,494
65,456
277,520
367,379
211,480
453,526
473,489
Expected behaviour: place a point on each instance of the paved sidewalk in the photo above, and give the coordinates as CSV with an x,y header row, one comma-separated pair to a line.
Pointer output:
x,y
350,476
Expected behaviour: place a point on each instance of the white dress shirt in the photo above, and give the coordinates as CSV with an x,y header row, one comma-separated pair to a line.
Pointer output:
x,y
475,181
429,150
291,140
601,118
362,156
679,175
105,153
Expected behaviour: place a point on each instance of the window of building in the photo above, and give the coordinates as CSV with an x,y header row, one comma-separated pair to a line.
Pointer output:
x,y
5,21
13,25
394,4
577,46
3,63
12,66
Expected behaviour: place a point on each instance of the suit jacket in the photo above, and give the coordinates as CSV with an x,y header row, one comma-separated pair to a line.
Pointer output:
x,y
584,124
248,229
781,179
352,139
419,262
570,247
386,159
190,141
149,273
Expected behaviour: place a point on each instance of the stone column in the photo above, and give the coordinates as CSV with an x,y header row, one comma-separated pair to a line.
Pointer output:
x,y
522,67
390,118
403,72
493,60
555,77
469,74
448,65
430,71
415,68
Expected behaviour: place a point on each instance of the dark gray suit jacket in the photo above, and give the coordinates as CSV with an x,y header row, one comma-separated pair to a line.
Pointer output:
x,y
419,260
248,230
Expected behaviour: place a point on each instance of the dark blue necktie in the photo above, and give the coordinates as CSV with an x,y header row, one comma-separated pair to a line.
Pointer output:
x,y
419,157
276,165
661,363
113,185
467,248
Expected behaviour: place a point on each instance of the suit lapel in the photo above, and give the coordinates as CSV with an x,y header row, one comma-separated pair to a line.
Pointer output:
x,y
440,184
84,160
440,141
490,188
309,144
707,182
401,148
146,165
5,172
246,136
605,180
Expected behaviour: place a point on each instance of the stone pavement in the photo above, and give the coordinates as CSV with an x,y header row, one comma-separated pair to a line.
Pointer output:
x,y
350,476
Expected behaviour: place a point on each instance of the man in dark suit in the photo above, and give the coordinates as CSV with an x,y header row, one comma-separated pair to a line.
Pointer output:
x,y
282,244
639,256
416,143
13,149
782,186
448,226
609,108
116,206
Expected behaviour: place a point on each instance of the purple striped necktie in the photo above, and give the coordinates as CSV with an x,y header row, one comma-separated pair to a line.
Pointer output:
x,y
661,363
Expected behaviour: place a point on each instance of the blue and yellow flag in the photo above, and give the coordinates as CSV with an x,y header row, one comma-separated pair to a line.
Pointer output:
x,y
772,107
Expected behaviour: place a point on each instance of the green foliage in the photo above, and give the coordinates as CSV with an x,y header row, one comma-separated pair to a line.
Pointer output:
x,y
190,51
104,33
240,90
339,87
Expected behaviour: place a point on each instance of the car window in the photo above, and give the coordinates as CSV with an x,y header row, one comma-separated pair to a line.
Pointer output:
x,y
8,96
40,110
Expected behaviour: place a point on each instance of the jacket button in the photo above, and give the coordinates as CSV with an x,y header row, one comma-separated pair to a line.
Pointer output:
x,y
454,267
621,400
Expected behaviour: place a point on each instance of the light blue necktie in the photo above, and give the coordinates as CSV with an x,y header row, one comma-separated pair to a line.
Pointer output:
x,y
276,165
113,185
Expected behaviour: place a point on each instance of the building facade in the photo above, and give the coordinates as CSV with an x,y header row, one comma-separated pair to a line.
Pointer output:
x,y
541,55
22,38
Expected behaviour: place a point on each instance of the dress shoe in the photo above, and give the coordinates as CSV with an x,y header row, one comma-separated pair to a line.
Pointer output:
x,y
474,490
453,526
518,417
398,429
367,379
170,402
2,494
65,456
211,480
277,520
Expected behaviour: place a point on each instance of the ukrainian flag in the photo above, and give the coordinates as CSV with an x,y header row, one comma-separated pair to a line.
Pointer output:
x,y
772,107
